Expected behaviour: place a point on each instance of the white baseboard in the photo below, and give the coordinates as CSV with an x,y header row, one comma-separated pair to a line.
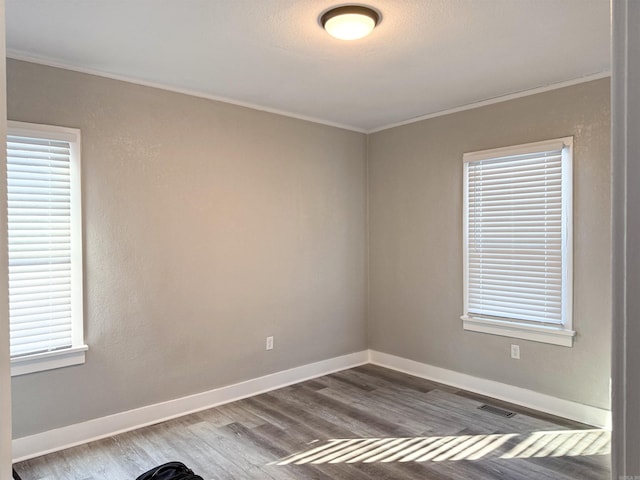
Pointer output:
x,y
527,398
61,438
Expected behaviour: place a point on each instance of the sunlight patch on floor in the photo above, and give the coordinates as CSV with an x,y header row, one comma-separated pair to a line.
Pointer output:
x,y
537,444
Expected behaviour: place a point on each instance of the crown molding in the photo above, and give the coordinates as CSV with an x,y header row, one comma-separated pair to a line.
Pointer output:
x,y
499,99
24,57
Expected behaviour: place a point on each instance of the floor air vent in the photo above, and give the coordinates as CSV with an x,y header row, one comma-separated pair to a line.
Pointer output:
x,y
496,411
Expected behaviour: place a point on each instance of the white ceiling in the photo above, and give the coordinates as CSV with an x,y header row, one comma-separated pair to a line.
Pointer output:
x,y
426,56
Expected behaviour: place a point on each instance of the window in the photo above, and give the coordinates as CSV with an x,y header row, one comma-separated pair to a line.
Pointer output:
x,y
517,241
45,247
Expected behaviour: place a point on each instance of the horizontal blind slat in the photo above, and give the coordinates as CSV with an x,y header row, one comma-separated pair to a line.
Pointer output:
x,y
42,318
515,315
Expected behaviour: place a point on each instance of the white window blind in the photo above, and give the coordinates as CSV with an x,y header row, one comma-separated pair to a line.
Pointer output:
x,y
43,276
518,232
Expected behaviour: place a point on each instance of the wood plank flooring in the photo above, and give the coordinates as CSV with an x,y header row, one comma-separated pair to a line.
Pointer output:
x,y
364,423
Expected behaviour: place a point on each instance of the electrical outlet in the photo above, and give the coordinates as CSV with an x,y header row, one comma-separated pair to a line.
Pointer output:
x,y
515,351
269,343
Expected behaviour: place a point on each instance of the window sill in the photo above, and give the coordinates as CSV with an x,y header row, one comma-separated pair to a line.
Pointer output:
x,y
536,333
48,361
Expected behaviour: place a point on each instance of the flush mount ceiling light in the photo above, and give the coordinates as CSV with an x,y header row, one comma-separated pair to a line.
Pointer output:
x,y
349,22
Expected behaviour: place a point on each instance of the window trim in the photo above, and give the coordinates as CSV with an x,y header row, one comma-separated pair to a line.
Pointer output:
x,y
561,335
75,355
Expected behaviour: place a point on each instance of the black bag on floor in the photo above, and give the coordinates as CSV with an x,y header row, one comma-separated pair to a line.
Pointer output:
x,y
170,471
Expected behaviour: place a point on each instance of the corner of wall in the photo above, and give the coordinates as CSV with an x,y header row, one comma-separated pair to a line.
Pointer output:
x,y
367,241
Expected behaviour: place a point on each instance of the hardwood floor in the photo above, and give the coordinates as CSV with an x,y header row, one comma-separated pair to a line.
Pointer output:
x,y
363,423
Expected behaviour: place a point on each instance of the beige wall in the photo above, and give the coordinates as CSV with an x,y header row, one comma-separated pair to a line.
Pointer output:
x,y
210,226
207,227
415,218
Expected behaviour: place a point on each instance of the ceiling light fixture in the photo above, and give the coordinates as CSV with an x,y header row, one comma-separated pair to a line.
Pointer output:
x,y
350,22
